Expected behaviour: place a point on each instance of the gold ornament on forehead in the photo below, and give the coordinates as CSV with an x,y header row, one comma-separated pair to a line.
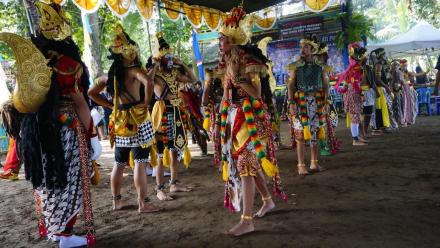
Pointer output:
x,y
53,24
121,44
237,27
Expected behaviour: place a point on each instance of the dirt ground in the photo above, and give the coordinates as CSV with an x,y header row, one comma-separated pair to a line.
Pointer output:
x,y
382,195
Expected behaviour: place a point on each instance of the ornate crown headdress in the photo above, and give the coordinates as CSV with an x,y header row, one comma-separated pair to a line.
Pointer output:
x,y
164,47
237,26
311,42
53,24
322,48
356,51
121,44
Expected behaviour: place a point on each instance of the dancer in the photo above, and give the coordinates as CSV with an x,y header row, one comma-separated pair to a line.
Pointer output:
x,y
57,128
410,108
353,101
330,145
307,92
12,163
247,141
381,117
211,100
397,85
130,125
170,119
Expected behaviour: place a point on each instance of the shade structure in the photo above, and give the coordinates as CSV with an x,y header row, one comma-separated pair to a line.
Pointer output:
x,y
422,39
225,6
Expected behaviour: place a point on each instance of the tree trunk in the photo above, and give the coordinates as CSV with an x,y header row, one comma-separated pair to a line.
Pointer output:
x,y
95,48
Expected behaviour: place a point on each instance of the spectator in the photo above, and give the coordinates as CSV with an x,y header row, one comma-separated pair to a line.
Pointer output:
x,y
421,77
437,77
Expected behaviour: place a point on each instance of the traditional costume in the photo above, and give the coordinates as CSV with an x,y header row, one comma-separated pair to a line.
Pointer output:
x,y
381,118
170,118
409,98
352,90
54,144
130,126
246,130
309,96
396,85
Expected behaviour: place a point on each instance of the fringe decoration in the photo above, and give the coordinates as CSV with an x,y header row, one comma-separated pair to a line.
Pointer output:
x,y
207,123
131,160
153,156
268,167
96,176
186,157
166,159
307,133
225,171
223,118
321,133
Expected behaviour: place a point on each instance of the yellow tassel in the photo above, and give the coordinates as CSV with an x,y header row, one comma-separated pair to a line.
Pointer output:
x,y
96,177
207,124
166,159
153,156
225,171
348,118
307,134
321,134
186,157
131,161
270,169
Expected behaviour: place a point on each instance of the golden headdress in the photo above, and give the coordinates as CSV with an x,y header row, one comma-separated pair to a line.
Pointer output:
x,y
122,45
310,41
357,52
164,47
53,24
237,26
33,75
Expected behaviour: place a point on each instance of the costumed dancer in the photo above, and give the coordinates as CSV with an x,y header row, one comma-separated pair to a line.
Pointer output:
x,y
12,163
330,145
307,92
410,108
57,142
247,141
353,95
211,100
130,127
170,118
396,82
381,117
369,92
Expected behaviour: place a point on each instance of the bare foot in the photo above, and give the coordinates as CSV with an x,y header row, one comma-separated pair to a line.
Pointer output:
x,y
359,143
119,204
176,188
302,170
162,196
148,208
377,132
243,227
362,139
268,205
315,167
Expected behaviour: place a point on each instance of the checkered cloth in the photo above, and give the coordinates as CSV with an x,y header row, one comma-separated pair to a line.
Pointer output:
x,y
144,136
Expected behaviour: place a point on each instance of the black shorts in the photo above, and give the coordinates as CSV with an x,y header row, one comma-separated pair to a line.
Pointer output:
x,y
161,147
368,110
122,155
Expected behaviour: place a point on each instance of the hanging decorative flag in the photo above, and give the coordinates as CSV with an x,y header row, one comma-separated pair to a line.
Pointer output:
x,y
145,8
88,6
316,5
119,7
194,15
173,9
212,19
198,55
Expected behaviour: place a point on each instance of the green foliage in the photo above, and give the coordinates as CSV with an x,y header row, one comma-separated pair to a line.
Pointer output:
x,y
12,19
356,26
428,10
178,35
74,16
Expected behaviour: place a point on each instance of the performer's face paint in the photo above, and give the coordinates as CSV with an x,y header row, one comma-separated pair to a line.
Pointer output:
x,y
167,61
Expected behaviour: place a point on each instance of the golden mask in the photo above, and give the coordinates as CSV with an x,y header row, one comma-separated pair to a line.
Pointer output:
x,y
53,24
122,46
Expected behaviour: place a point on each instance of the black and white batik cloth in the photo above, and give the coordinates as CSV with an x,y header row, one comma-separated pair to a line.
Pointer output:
x,y
60,205
144,137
